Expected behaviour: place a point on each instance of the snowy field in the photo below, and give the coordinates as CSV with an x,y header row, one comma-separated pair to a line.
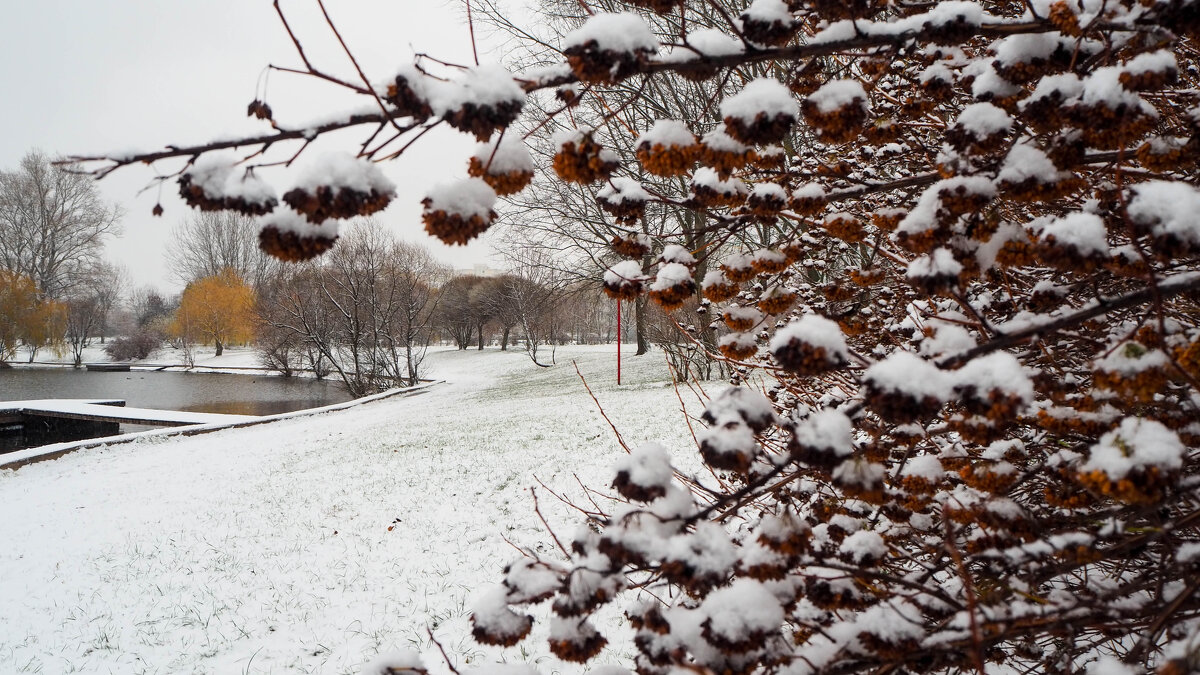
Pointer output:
x,y
268,549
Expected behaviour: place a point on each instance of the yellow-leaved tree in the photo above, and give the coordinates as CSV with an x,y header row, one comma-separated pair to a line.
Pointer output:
x,y
217,309
45,327
26,317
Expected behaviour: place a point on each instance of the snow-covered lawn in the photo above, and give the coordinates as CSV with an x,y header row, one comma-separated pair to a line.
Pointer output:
x,y
237,358
268,549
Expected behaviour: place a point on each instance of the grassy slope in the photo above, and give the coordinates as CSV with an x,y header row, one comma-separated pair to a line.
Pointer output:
x,y
267,550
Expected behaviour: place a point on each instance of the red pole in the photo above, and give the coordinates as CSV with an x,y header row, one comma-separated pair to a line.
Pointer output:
x,y
618,342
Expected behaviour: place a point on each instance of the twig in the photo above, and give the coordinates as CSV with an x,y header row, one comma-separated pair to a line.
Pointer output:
x,y
471,28
354,61
599,407
538,511
445,656
563,499
1178,285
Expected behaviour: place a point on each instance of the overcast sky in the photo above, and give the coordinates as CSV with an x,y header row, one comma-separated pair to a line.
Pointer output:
x,y
81,76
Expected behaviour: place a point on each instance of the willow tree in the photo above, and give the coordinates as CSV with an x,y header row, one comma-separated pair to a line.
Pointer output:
x,y
217,309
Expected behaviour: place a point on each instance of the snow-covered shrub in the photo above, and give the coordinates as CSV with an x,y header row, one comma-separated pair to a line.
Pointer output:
x,y
139,345
947,255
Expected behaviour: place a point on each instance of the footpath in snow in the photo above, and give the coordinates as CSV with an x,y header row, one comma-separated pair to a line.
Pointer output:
x,y
312,544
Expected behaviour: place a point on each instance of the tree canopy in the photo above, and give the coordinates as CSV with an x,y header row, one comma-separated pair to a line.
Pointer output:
x,y
53,224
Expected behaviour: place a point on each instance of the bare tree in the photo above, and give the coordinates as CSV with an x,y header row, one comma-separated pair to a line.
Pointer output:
x,y
295,330
107,283
53,224
364,311
460,309
568,222
530,298
501,311
149,306
85,317
206,242
416,274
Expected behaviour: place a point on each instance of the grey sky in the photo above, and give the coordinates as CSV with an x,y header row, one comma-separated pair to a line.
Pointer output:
x,y
82,76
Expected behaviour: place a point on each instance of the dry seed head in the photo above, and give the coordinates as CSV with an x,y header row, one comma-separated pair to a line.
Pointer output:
x,y
845,227
719,289
632,247
767,262
592,64
1064,19
884,131
868,277
738,269
626,211
504,183
707,197
406,100
259,109
775,33
452,228
584,161
501,633
776,301
667,160
1032,189
1142,485
197,198
739,320
738,346
673,297
1162,154
840,125
763,130
725,161
578,650
341,203
1108,128
770,158
484,120
765,205
808,203
291,247
657,6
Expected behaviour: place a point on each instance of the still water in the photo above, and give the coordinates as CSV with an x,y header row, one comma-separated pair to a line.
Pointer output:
x,y
198,392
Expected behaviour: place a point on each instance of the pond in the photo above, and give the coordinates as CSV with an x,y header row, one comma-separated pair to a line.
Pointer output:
x,y
197,392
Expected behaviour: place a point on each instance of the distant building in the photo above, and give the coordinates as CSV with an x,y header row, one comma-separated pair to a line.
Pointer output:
x,y
478,270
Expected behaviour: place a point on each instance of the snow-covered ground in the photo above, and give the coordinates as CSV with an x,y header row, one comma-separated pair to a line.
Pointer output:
x,y
268,549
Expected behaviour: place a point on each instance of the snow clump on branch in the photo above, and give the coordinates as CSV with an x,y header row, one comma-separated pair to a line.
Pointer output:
x,y
458,212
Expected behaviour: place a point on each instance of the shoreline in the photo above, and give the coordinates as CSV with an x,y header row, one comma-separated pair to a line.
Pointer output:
x,y
19,458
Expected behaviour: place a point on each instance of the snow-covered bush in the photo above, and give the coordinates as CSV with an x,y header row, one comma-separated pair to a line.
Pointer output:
x,y
139,345
948,253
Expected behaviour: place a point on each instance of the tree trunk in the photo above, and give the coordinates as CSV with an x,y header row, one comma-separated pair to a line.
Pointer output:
x,y
480,337
639,311
220,348
408,363
504,339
